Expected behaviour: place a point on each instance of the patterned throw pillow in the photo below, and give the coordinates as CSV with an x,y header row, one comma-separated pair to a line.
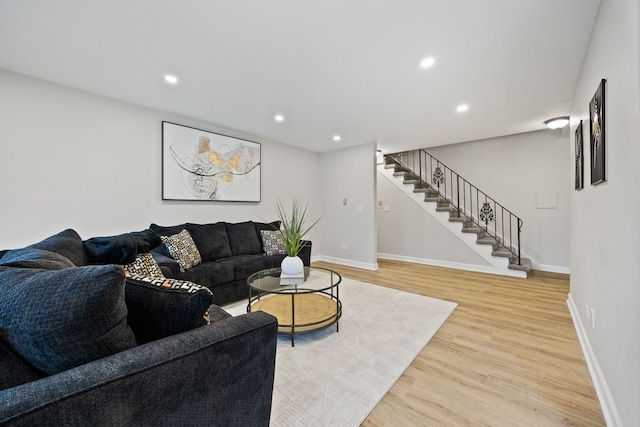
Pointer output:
x,y
272,242
182,248
160,307
144,265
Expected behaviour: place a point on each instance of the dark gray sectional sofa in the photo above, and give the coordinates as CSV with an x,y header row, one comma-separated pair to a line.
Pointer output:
x,y
230,253
70,355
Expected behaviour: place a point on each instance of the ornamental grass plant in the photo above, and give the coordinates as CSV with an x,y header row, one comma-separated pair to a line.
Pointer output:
x,y
294,225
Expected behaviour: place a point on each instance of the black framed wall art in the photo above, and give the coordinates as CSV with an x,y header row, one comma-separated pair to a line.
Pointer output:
x,y
202,165
597,130
579,174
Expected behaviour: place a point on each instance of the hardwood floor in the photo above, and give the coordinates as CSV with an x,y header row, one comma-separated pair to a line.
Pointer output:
x,y
508,355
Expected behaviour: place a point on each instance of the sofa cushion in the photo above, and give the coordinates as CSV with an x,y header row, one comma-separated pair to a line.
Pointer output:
x,y
144,265
275,225
272,242
217,313
243,238
182,248
66,243
120,249
167,230
160,307
59,319
211,240
15,371
245,265
209,274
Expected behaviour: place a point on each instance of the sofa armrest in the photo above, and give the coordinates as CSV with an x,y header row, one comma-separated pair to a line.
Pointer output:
x,y
305,252
168,265
215,375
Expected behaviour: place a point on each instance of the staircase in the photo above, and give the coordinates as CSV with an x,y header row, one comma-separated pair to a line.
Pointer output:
x,y
486,226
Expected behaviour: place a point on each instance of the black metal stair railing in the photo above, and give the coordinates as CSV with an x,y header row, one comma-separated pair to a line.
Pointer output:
x,y
468,201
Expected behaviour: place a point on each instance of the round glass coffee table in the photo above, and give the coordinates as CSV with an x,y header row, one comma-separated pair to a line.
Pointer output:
x,y
301,305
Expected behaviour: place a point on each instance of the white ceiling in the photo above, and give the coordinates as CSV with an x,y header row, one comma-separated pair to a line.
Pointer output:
x,y
347,67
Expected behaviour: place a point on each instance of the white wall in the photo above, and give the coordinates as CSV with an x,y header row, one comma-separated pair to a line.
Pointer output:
x,y
605,244
407,232
71,159
349,174
512,169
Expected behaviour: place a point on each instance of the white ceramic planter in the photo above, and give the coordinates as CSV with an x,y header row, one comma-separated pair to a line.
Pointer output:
x,y
292,265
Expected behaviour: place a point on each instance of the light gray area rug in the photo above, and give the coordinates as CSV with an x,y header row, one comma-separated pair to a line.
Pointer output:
x,y
336,379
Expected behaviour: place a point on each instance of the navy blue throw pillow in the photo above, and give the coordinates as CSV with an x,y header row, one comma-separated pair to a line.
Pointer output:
x,y
58,319
160,307
66,243
35,258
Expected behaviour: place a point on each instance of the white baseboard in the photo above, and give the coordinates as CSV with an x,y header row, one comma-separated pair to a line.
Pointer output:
x,y
611,415
439,263
552,268
468,267
347,262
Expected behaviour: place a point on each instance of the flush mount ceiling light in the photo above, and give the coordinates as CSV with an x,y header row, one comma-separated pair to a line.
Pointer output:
x,y
427,62
278,118
462,108
170,78
336,138
557,123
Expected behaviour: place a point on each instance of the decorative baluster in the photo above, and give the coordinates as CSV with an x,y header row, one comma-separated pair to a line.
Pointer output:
x,y
486,214
438,177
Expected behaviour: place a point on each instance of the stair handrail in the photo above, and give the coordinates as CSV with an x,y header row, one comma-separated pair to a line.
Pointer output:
x,y
417,160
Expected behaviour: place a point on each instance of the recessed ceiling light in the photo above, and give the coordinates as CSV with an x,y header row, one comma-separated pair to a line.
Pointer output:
x,y
170,78
279,118
427,62
337,138
462,108
557,123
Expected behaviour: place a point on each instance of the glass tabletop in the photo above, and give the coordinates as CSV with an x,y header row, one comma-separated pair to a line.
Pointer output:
x,y
315,279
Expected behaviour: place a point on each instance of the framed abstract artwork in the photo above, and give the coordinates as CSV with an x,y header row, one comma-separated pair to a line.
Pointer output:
x,y
202,165
579,158
597,135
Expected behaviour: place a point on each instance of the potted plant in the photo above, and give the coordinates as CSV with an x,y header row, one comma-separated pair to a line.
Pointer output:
x,y
294,227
